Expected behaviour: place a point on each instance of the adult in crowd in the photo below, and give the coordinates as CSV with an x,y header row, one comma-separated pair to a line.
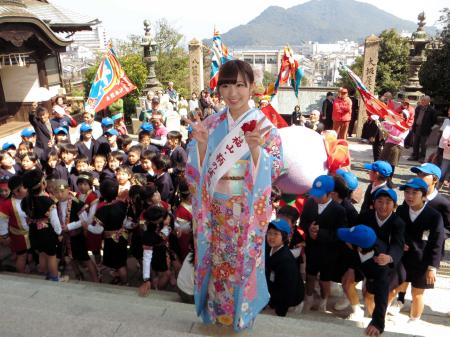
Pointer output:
x,y
173,95
342,113
327,111
425,119
355,110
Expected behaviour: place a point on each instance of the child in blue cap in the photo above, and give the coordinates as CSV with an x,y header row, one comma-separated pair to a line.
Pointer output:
x,y
421,257
282,273
320,219
379,175
368,249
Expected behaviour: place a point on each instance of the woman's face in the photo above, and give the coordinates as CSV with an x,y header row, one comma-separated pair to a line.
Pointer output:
x,y
236,96
60,101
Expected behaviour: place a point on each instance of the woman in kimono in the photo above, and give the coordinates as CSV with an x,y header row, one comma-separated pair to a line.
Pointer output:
x,y
233,159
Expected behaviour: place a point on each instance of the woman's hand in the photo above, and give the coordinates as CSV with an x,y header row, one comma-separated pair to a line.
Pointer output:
x,y
255,138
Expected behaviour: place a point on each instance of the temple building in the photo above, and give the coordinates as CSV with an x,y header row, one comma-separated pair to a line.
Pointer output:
x,y
32,35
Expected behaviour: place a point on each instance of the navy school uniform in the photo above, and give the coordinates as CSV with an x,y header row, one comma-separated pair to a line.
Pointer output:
x,y
151,238
284,281
43,134
321,253
368,197
392,234
351,212
377,282
442,205
62,172
88,152
107,173
421,253
111,216
103,147
165,187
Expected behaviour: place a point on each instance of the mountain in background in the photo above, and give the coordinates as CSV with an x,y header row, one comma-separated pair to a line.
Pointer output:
x,y
324,21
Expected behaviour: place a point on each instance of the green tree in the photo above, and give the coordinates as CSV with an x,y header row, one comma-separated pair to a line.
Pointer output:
x,y
434,75
268,78
393,66
356,67
173,59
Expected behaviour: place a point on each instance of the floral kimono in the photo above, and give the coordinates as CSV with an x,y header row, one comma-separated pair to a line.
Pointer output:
x,y
230,219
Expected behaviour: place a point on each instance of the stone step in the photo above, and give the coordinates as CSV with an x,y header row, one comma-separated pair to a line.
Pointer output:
x,y
99,310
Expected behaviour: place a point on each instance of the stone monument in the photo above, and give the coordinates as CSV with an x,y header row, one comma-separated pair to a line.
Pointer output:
x,y
196,82
371,46
150,59
417,56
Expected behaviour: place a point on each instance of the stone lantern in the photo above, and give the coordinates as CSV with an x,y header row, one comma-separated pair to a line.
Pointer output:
x,y
150,59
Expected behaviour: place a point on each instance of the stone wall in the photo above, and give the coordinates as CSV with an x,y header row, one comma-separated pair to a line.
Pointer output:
x,y
309,99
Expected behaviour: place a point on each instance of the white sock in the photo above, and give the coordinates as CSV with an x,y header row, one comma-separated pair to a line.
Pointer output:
x,y
356,308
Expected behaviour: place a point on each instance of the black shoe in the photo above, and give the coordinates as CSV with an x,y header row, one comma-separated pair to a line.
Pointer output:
x,y
412,159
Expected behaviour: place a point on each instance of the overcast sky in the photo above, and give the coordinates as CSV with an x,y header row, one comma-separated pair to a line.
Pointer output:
x,y
196,18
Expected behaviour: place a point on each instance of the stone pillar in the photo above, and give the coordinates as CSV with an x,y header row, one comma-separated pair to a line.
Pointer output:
x,y
371,46
196,82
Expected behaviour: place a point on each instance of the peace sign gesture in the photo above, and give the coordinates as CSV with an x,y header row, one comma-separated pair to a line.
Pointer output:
x,y
255,138
199,132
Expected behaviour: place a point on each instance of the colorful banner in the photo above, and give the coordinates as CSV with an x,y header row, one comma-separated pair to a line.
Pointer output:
x,y
220,56
373,105
289,69
273,116
110,84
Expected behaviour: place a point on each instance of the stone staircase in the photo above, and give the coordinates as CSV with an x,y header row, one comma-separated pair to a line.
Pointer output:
x,y
30,306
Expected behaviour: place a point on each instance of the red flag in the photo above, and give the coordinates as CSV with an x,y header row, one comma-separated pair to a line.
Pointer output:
x,y
274,116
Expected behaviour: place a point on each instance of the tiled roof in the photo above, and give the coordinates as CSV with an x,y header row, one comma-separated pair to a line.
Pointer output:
x,y
59,18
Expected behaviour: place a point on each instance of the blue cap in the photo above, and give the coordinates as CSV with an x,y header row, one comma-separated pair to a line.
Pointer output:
x,y
281,225
107,121
112,132
380,166
351,181
427,168
385,191
84,127
27,132
189,129
416,183
361,236
7,146
147,127
60,129
322,185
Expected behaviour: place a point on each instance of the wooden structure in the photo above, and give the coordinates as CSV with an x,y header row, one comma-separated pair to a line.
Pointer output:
x,y
31,38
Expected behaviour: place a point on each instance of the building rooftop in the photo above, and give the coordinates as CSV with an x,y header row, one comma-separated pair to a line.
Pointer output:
x,y
59,19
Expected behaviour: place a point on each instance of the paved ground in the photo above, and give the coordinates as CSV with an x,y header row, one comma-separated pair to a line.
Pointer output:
x,y
435,320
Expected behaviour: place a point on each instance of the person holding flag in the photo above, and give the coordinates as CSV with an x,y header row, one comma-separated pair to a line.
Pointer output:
x,y
234,157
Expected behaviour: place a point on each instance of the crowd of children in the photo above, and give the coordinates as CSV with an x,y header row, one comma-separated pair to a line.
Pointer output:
x,y
94,203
